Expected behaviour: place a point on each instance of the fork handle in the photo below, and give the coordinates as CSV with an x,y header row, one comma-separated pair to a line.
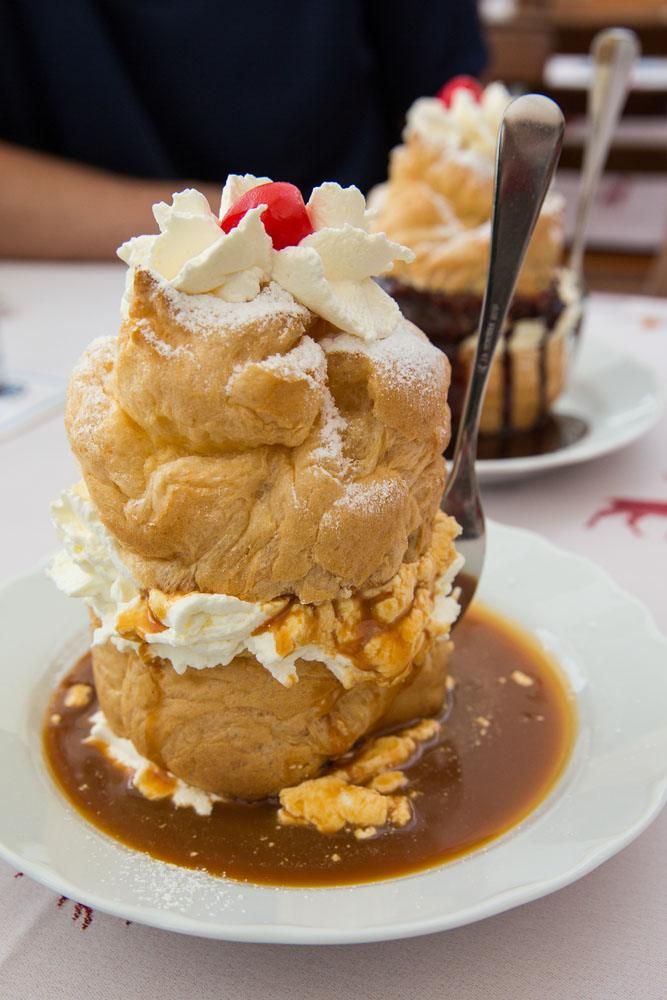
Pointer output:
x,y
529,143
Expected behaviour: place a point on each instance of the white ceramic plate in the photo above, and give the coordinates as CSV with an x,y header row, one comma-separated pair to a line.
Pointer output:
x,y
618,397
615,784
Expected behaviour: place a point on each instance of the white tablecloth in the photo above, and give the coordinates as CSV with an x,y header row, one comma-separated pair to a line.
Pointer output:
x,y
604,937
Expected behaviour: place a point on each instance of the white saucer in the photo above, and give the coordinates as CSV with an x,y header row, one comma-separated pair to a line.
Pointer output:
x,y
618,397
615,784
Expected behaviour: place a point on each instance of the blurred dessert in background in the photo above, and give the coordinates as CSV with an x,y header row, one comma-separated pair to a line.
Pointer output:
x,y
258,534
438,201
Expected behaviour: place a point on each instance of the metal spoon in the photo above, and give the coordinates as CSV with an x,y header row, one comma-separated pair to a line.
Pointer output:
x,y
529,143
614,52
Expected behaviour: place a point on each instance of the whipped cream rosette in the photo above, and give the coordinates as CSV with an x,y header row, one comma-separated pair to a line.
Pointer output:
x,y
257,533
330,271
437,201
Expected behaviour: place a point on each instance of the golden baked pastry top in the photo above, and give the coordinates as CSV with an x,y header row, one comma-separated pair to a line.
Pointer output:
x,y
437,201
312,459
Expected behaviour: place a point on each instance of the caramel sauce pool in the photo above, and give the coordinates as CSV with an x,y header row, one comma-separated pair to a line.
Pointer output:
x,y
503,745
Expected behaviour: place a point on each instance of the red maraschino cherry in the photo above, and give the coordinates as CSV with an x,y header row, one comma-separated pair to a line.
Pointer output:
x,y
446,93
285,219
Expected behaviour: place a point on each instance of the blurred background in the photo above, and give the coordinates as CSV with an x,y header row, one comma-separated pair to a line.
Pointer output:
x,y
110,105
542,45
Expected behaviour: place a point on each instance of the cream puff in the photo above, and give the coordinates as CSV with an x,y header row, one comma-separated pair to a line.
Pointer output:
x,y
437,201
257,534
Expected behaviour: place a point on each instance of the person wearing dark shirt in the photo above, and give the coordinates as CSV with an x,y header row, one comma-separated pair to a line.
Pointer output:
x,y
108,105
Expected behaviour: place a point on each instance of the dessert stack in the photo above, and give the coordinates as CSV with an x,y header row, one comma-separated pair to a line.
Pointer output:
x,y
257,532
438,201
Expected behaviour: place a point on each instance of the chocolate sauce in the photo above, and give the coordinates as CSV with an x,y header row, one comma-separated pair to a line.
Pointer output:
x,y
503,745
557,432
449,319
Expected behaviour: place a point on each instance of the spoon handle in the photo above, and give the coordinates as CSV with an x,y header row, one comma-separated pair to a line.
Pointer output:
x,y
529,144
614,52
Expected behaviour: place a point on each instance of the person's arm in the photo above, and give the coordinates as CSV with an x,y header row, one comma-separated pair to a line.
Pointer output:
x,y
54,208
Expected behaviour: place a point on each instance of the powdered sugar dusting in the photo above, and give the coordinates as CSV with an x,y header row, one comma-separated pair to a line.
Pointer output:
x,y
162,347
305,361
308,361
87,375
207,314
332,430
379,495
307,358
407,360
410,362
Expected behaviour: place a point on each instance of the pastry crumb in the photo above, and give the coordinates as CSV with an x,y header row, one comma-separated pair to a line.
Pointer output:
x,y
523,680
388,782
483,723
365,832
389,752
56,719
78,696
450,683
427,729
331,803
359,795
400,810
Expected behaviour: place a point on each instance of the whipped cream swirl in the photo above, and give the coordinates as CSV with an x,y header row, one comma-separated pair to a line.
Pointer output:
x,y
330,271
468,124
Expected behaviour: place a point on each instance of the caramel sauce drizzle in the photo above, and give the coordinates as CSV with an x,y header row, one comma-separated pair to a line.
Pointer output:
x,y
139,621
367,629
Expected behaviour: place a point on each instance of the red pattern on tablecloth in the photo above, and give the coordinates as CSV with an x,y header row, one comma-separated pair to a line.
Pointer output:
x,y
79,912
633,511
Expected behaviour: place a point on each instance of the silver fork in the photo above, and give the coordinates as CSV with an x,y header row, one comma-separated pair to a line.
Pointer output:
x,y
529,144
